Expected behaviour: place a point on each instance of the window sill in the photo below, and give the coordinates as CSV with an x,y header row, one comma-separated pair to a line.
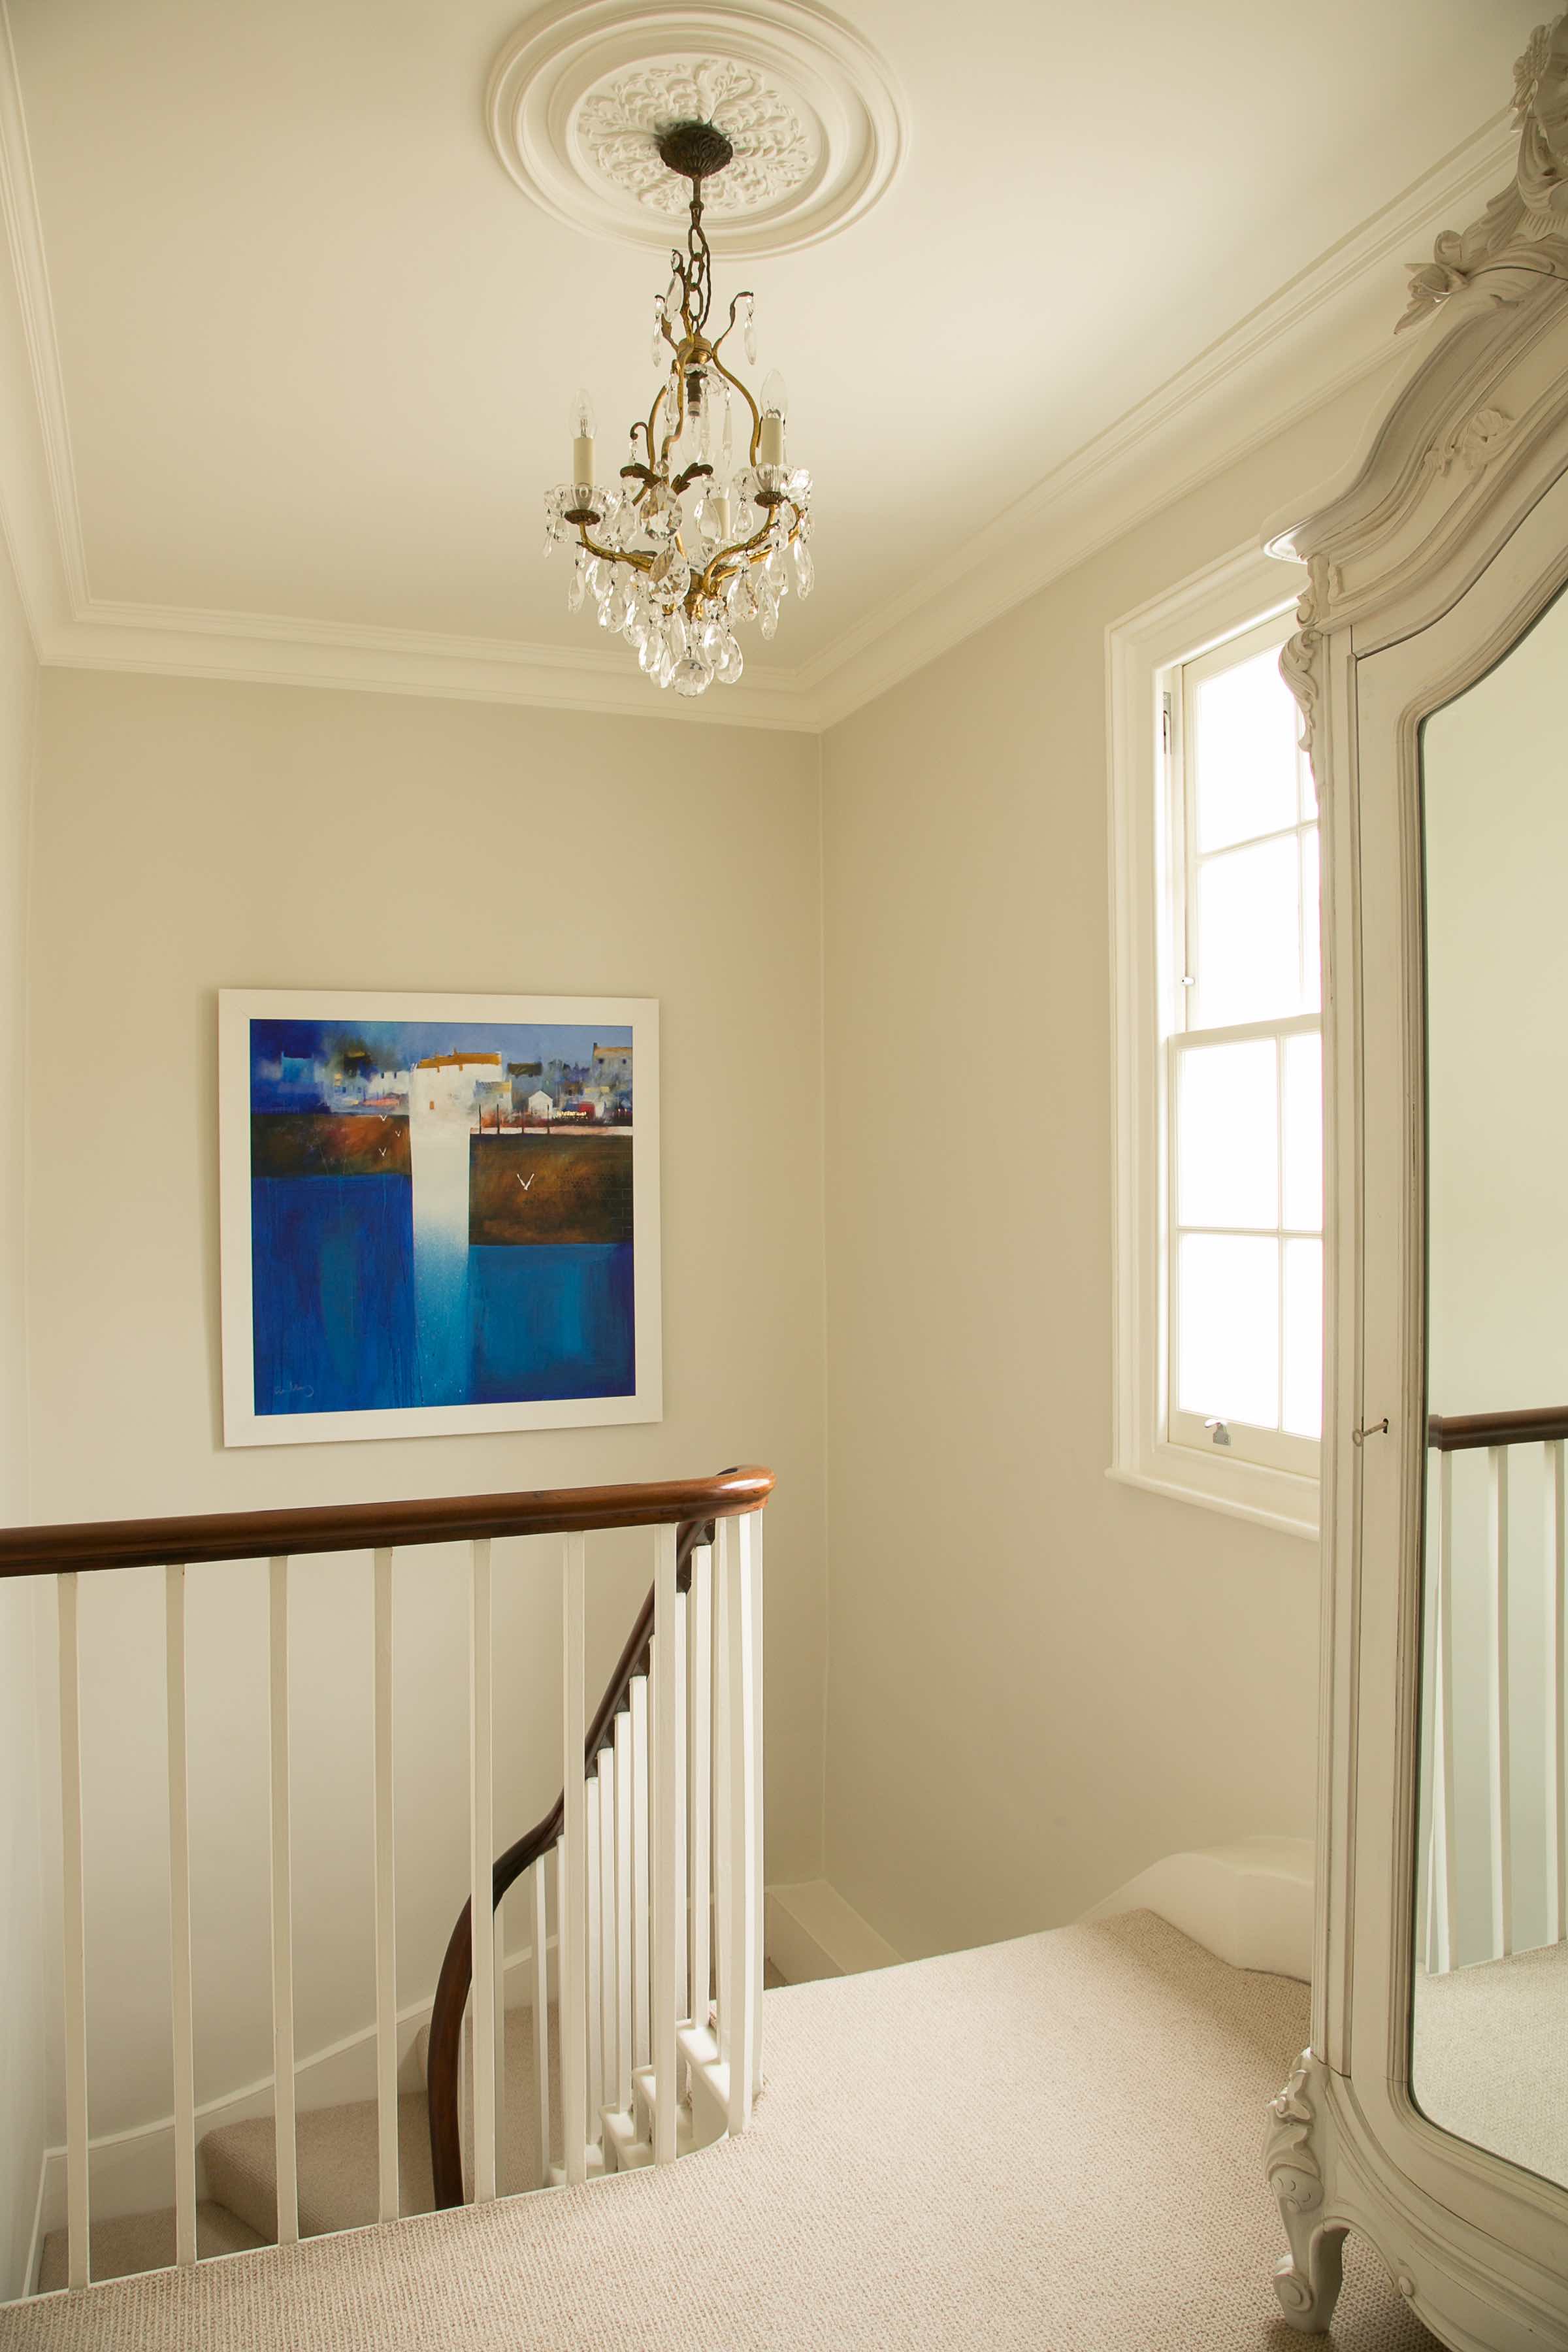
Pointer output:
x,y
1269,1499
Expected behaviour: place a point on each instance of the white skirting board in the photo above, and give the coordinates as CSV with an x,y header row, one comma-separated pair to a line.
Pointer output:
x,y
809,1931
1249,1902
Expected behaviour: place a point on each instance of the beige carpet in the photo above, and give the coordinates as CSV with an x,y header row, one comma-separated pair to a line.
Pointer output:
x,y
1490,2059
1052,2143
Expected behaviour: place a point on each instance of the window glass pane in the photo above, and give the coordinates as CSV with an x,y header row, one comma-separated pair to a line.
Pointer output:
x,y
1228,1352
1246,958
1303,1133
1245,725
1227,1135
1312,967
1304,1338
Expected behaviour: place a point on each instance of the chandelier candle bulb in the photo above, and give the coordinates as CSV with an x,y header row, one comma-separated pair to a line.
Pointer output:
x,y
583,444
775,408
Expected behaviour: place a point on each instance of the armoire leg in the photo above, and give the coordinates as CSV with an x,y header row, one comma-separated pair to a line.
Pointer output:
x,y
1306,2279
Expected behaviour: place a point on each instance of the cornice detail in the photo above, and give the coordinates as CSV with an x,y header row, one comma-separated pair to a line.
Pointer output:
x,y
1524,228
1267,375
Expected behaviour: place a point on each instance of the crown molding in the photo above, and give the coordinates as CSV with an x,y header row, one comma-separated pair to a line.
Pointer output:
x,y
270,649
1325,330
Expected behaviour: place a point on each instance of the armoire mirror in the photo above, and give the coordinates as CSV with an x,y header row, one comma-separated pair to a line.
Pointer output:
x,y
1489,2023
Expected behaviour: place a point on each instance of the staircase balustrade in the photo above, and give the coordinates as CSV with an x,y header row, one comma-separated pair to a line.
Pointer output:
x,y
650,1861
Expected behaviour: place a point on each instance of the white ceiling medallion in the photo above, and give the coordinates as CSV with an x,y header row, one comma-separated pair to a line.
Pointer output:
x,y
579,95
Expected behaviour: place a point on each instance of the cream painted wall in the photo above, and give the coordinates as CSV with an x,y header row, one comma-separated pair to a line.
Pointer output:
x,y
193,834
1039,1681
25,1939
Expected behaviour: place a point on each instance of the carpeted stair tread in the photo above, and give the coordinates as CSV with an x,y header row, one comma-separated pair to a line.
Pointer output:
x,y
337,2149
145,2241
337,2163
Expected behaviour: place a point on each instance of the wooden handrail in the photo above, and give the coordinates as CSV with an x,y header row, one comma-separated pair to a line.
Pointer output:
x,y
374,1527
443,2053
1459,1433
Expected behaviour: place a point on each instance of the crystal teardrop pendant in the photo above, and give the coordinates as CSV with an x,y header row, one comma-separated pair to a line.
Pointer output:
x,y
732,662
751,334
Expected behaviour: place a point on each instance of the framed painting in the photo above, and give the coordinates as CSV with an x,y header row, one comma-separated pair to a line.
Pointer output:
x,y
439,1214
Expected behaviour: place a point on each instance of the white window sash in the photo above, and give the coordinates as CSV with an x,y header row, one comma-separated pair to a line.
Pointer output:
x,y
1249,588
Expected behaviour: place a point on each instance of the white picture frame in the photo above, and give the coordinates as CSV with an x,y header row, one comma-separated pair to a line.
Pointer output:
x,y
252,1253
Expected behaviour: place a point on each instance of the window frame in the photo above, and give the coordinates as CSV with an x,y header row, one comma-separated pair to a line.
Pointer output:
x,y
1248,589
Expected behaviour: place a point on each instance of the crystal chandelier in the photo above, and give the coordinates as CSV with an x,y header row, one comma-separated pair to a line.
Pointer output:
x,y
688,548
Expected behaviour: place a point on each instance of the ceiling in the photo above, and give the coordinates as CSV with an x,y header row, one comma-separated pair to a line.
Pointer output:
x,y
311,348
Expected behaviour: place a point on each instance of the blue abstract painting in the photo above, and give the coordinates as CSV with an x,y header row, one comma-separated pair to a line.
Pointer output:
x,y
441,1214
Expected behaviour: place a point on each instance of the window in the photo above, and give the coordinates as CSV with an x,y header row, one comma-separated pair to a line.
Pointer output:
x,y
1219,1252
1243,1256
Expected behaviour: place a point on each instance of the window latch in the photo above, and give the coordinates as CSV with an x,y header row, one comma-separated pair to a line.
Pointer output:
x,y
1221,1433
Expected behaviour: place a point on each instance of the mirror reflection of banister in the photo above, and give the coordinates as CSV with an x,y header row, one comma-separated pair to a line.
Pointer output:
x,y
1525,1853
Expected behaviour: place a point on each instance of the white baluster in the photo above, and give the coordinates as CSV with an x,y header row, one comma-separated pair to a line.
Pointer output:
x,y
681,1777
387,2191
180,1919
1446,1779
751,1532
1556,1645
723,1842
499,2078
285,2147
481,1849
667,1889
641,1824
593,1972
74,1921
741,1957
700,1617
538,1977
571,1928
1498,1774
608,2061
622,2096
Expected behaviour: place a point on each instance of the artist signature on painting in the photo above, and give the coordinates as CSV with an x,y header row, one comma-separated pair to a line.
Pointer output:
x,y
291,1388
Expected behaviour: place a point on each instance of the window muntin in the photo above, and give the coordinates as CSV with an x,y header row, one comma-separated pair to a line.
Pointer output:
x,y
1242,1070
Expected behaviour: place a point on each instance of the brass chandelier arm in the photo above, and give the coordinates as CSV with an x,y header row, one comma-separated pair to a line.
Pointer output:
x,y
745,295
712,576
638,562
756,413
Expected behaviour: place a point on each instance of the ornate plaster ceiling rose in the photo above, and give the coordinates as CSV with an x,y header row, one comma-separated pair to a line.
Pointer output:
x,y
579,95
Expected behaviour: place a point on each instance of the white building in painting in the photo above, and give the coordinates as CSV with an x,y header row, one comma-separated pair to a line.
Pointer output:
x,y
446,1087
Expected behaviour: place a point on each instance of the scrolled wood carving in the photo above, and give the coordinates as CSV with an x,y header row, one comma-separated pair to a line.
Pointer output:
x,y
1306,2279
1525,227
1300,657
1473,442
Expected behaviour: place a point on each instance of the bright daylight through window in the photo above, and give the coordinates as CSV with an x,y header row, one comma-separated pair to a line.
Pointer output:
x,y
1242,1064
